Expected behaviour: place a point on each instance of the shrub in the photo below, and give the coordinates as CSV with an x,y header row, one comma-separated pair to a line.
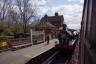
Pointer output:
x,y
8,32
6,37
37,36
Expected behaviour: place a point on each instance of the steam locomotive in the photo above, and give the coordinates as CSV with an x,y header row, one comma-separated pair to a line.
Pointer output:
x,y
70,43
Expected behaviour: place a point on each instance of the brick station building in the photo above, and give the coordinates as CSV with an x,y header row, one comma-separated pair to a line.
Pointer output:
x,y
56,20
50,24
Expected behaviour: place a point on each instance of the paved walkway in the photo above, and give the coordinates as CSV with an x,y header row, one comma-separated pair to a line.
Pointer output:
x,y
23,55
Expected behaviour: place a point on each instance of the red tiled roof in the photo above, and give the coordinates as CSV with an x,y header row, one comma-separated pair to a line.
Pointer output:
x,y
55,20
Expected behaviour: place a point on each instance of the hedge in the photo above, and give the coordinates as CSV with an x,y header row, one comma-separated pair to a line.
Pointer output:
x,y
37,36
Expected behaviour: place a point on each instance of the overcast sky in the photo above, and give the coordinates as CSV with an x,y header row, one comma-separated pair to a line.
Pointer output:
x,y
70,9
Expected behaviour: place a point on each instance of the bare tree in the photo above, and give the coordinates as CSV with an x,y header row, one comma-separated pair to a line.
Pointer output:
x,y
4,5
19,17
12,17
26,12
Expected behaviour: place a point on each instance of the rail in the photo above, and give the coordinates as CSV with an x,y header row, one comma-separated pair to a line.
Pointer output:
x,y
50,59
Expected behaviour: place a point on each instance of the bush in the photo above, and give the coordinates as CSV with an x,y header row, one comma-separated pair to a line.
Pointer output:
x,y
37,36
8,32
6,37
21,35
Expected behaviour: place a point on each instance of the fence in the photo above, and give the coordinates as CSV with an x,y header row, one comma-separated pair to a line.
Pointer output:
x,y
20,42
37,37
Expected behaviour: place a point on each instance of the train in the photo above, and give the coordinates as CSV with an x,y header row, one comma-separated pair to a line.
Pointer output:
x,y
71,42
88,33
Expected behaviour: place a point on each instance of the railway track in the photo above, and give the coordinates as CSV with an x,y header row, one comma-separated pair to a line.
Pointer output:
x,y
59,57
52,57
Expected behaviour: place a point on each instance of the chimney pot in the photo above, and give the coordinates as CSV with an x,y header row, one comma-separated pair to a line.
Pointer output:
x,y
56,13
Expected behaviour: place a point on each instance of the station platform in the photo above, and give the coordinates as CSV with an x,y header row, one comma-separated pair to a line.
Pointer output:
x,y
22,56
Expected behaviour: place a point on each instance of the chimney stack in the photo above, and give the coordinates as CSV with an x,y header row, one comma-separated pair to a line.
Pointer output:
x,y
56,13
